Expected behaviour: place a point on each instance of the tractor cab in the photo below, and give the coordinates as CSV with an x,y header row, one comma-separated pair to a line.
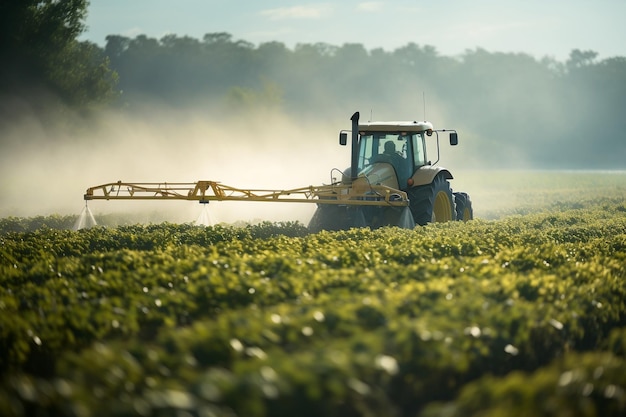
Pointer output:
x,y
390,152
403,149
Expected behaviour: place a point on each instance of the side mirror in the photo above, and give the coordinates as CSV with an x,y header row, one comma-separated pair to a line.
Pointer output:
x,y
343,138
454,139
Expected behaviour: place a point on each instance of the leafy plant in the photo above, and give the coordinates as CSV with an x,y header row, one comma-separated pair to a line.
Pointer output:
x,y
459,318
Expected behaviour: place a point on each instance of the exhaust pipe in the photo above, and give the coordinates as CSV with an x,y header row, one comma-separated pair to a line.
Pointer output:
x,y
355,146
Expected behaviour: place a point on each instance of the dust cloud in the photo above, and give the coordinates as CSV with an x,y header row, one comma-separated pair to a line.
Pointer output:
x,y
46,169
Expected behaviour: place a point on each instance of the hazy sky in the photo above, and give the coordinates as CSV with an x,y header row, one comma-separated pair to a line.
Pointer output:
x,y
537,27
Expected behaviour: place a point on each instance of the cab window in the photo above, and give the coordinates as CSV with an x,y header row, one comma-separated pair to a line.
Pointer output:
x,y
419,150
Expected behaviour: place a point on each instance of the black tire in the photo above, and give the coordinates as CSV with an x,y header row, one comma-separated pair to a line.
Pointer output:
x,y
464,210
433,202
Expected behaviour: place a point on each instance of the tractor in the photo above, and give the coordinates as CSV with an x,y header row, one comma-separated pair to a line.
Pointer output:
x,y
390,182
393,154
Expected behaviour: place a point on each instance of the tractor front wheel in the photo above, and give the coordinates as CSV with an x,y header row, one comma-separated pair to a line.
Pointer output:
x,y
433,202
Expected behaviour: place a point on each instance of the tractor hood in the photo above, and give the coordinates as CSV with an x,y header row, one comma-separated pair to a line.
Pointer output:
x,y
376,174
379,174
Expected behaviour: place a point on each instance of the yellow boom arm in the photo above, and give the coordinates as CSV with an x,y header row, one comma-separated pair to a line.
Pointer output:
x,y
205,191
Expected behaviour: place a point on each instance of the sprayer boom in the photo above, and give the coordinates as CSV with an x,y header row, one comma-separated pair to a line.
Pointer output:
x,y
206,191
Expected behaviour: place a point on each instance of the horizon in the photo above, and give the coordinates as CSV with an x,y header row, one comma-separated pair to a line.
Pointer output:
x,y
540,29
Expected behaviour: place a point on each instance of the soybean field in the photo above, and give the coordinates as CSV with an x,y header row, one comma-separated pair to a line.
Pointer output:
x,y
520,312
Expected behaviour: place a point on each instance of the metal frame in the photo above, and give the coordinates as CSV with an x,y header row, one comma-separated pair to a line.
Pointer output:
x,y
206,191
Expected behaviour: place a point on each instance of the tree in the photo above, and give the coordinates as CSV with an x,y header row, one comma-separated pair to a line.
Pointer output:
x,y
41,55
579,59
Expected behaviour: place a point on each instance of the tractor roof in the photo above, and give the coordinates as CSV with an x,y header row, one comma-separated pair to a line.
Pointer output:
x,y
395,126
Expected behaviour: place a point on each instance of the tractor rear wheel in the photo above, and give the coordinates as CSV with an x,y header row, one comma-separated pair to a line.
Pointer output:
x,y
464,211
433,202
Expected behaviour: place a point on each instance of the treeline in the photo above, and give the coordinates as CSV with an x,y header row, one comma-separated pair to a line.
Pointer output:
x,y
538,112
512,108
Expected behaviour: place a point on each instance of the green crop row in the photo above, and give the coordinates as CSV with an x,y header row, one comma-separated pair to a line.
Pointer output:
x,y
268,320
